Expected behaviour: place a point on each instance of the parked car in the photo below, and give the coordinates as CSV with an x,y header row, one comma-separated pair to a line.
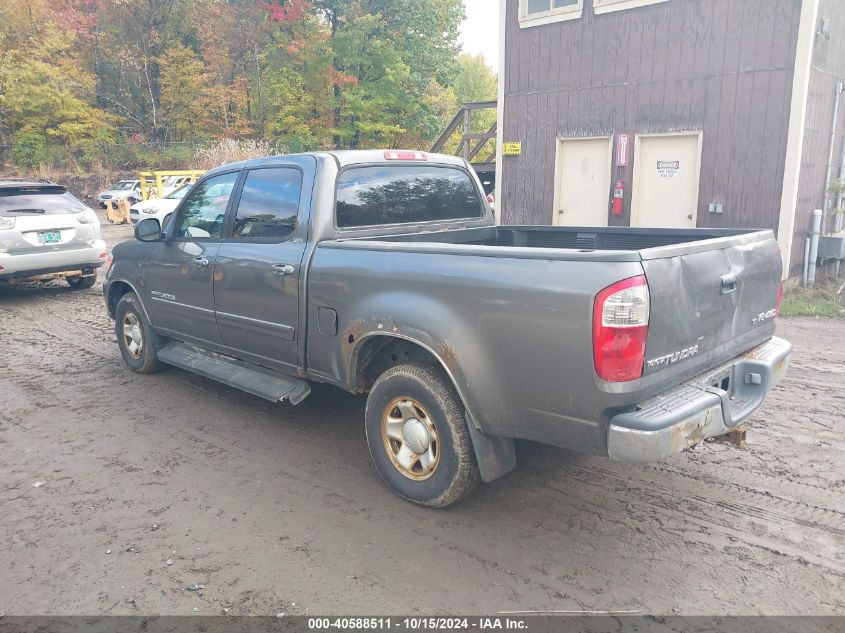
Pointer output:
x,y
121,190
173,183
45,233
158,208
384,273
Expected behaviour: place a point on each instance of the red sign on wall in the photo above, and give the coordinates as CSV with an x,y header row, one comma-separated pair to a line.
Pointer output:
x,y
621,150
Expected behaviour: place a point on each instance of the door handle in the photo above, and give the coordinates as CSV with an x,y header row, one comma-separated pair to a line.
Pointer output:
x,y
729,283
201,262
283,269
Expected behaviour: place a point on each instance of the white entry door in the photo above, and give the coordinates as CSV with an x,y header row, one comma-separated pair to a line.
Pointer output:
x,y
582,193
666,176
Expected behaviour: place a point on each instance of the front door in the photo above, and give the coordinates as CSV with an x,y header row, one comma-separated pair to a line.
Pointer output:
x,y
666,177
179,272
583,182
258,270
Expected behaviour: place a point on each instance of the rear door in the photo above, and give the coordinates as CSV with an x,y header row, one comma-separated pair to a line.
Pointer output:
x,y
710,306
179,272
258,270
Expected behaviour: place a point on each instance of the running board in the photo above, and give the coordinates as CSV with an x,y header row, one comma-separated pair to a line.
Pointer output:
x,y
261,382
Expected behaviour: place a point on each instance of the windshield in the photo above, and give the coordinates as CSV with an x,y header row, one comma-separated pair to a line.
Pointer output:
x,y
179,193
123,185
54,200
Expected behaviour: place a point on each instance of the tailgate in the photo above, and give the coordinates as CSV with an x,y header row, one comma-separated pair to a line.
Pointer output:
x,y
712,305
47,233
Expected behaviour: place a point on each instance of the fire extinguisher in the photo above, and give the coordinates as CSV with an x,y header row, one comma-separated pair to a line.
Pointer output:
x,y
618,197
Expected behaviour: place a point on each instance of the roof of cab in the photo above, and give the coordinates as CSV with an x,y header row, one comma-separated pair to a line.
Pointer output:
x,y
345,158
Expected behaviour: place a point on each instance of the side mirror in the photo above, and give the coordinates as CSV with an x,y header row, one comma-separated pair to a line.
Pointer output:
x,y
148,230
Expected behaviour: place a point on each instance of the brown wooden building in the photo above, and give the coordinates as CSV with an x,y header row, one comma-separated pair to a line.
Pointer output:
x,y
709,113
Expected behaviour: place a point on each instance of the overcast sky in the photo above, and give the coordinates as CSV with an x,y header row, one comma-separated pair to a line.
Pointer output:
x,y
480,32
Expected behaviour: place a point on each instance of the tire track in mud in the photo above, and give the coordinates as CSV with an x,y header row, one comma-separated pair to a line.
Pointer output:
x,y
675,511
763,504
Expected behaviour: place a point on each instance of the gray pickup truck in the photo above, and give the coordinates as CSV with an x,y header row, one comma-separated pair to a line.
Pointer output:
x,y
384,273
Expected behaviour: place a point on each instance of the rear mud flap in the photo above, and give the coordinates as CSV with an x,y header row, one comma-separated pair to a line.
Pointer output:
x,y
496,456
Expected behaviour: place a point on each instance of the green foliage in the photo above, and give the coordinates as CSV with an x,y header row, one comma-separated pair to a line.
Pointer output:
x,y
821,301
29,149
475,81
87,74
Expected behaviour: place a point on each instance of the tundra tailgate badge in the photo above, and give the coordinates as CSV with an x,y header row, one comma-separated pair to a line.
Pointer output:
x,y
674,357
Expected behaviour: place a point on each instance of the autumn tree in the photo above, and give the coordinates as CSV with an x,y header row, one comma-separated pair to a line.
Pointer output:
x,y
305,74
46,94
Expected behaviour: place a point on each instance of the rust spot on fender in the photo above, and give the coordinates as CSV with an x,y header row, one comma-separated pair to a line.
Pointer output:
x,y
448,355
351,333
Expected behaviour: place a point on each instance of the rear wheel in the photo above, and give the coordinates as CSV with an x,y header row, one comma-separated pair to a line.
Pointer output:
x,y
136,339
418,438
81,283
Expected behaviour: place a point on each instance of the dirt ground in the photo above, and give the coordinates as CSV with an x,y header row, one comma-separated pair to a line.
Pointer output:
x,y
119,491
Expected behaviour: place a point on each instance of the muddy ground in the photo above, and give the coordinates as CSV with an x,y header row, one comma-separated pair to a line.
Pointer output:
x,y
118,491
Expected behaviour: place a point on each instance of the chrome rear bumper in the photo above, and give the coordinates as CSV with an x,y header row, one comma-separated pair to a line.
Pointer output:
x,y
690,413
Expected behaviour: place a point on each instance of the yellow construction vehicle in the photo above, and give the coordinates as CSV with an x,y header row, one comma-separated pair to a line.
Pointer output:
x,y
157,184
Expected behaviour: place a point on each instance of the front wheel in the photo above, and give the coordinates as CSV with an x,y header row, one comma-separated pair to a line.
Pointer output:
x,y
418,437
136,339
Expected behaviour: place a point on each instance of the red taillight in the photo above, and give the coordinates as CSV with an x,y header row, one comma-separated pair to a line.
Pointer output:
x,y
405,156
620,330
780,298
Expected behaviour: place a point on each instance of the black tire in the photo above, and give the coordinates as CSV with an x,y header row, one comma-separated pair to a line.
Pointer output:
x,y
456,472
81,283
141,360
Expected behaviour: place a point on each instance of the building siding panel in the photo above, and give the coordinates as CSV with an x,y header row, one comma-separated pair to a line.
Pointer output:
x,y
828,67
721,66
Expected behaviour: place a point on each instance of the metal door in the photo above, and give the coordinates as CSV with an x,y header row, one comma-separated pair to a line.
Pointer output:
x,y
666,177
583,181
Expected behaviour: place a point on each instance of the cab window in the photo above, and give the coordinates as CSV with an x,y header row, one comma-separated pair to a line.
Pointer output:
x,y
203,212
269,204
388,194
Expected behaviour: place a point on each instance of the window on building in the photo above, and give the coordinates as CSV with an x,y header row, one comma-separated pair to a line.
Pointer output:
x,y
545,6
269,204
536,12
606,6
371,196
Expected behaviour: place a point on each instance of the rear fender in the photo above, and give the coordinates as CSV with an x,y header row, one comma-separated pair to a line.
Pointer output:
x,y
496,456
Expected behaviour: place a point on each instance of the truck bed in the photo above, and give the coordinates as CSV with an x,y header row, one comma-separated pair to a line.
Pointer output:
x,y
585,240
713,294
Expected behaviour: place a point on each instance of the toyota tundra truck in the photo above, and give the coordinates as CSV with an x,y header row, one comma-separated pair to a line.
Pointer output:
x,y
384,273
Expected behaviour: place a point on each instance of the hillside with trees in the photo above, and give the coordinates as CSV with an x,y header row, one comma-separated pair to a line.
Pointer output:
x,y
84,78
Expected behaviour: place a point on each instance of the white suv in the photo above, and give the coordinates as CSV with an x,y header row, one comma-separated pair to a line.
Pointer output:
x,y
45,233
158,208
121,190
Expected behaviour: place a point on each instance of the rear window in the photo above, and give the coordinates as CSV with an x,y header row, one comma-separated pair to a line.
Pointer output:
x,y
399,194
18,201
